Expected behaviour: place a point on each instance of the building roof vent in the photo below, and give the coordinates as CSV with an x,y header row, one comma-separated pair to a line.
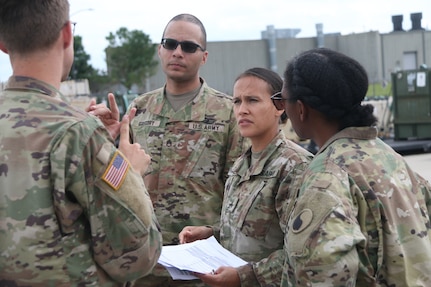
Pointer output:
x,y
416,21
397,21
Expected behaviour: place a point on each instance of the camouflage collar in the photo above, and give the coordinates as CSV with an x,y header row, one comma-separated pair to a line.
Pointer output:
x,y
365,133
27,83
245,170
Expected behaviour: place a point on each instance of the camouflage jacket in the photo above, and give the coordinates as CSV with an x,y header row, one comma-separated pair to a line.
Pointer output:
x,y
72,210
254,201
191,151
362,218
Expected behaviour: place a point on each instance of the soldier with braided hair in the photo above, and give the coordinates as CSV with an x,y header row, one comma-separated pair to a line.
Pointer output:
x,y
362,215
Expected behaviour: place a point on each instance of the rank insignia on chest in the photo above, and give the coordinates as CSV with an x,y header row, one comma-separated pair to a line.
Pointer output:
x,y
116,171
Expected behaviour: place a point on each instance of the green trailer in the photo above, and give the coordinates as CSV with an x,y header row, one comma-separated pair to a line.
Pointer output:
x,y
412,104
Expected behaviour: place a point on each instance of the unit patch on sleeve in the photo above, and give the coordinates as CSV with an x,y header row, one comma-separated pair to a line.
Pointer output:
x,y
116,171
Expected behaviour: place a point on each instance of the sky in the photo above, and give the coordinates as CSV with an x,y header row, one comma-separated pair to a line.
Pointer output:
x,y
231,20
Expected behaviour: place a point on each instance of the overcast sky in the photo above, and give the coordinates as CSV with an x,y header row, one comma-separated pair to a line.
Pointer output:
x,y
229,20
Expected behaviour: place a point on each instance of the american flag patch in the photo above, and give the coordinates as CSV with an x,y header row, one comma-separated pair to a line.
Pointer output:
x,y
116,172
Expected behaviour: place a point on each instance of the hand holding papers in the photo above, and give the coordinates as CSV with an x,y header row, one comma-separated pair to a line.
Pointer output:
x,y
201,256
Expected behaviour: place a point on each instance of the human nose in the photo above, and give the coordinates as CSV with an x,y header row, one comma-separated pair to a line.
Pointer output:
x,y
242,108
178,51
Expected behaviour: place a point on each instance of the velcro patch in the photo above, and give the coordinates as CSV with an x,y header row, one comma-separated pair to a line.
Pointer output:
x,y
302,220
116,171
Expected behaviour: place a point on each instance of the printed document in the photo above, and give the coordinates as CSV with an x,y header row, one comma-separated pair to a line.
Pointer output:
x,y
201,256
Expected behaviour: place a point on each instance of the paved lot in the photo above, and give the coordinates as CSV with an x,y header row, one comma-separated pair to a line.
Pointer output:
x,y
421,163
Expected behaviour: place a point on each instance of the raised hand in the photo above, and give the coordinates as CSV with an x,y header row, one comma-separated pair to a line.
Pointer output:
x,y
110,117
137,157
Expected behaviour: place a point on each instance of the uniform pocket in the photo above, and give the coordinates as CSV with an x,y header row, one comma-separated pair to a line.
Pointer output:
x,y
257,212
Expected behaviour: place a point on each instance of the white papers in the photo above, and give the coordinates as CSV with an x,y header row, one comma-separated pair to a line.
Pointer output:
x,y
201,256
421,79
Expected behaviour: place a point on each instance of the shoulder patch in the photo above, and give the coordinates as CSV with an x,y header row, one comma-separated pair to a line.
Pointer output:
x,y
116,171
302,220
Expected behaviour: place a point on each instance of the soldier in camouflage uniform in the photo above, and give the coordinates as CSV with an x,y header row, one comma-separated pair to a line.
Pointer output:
x,y
190,132
258,187
74,211
362,216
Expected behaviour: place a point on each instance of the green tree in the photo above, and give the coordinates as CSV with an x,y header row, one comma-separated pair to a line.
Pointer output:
x,y
81,69
130,57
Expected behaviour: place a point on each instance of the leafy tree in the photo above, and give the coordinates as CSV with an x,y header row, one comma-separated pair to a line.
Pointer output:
x,y
130,57
81,69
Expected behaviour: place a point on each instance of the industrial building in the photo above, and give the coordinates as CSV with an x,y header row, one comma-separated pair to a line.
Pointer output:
x,y
380,54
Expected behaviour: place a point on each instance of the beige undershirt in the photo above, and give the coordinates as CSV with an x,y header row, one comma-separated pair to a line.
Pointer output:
x,y
255,157
179,101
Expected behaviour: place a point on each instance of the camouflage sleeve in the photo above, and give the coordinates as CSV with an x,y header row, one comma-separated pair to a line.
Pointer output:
x,y
125,237
246,276
322,238
236,146
262,273
426,189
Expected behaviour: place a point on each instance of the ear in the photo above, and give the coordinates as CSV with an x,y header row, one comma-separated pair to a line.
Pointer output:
x,y
278,113
204,58
302,110
158,50
3,48
67,35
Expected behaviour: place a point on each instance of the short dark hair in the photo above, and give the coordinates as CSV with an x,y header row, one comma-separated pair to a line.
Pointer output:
x,y
191,19
29,25
331,83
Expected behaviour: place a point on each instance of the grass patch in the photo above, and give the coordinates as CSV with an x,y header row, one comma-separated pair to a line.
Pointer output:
x,y
378,90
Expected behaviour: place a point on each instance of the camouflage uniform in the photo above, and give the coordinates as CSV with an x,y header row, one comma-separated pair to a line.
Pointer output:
x,y
253,204
361,218
192,150
63,222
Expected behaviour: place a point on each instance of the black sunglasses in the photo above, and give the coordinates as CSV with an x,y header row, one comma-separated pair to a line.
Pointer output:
x,y
278,101
186,46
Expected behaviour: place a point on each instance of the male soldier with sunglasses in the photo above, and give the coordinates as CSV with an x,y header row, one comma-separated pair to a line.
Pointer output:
x,y
190,132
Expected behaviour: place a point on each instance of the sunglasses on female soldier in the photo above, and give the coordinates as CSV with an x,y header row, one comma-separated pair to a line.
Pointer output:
x,y
186,46
280,102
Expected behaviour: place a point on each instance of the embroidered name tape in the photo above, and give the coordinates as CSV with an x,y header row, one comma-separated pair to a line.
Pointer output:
x,y
116,171
206,127
150,123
